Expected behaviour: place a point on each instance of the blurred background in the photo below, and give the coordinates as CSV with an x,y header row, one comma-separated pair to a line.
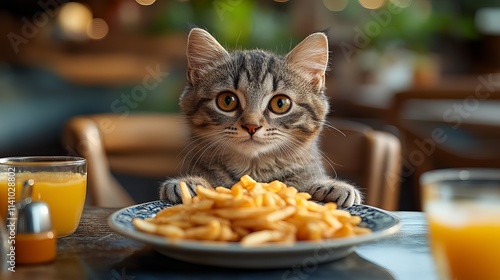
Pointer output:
x,y
61,58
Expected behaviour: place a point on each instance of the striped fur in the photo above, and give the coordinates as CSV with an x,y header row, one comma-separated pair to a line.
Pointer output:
x,y
283,146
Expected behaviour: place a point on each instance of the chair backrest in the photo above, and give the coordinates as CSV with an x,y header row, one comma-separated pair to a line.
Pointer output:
x,y
369,158
137,145
150,145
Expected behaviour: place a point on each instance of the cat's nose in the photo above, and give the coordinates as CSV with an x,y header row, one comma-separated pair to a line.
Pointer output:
x,y
251,128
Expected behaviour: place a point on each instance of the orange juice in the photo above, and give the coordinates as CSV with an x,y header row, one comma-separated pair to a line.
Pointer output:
x,y
465,241
64,192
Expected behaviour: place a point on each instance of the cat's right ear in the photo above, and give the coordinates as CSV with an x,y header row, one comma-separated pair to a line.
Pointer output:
x,y
310,58
202,50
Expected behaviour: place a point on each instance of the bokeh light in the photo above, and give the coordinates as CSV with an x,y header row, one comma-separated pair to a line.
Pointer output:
x,y
73,19
129,13
487,20
335,5
372,4
145,2
401,3
97,29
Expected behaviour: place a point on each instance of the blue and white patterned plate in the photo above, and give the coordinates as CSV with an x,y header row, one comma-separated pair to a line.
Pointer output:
x,y
382,224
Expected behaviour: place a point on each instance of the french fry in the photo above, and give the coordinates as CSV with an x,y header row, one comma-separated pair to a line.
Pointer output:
x,y
222,190
227,234
346,230
210,231
243,213
144,225
261,237
252,213
281,214
204,219
276,186
247,181
181,224
253,224
268,200
212,194
170,231
237,191
185,194
170,211
202,204
304,195
241,231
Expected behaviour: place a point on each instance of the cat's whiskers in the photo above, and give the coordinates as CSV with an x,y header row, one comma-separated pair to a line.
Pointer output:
x,y
208,145
328,125
219,149
330,163
290,152
288,145
302,153
201,153
211,144
195,139
201,139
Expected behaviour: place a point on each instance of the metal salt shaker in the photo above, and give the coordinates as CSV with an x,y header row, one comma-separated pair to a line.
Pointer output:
x,y
35,238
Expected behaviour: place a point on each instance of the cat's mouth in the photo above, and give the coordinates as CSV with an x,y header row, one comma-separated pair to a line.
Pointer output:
x,y
253,140
254,143
251,147
251,144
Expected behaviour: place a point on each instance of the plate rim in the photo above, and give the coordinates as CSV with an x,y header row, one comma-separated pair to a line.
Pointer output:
x,y
235,247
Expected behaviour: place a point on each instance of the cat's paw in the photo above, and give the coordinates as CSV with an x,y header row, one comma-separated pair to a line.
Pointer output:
x,y
170,190
342,193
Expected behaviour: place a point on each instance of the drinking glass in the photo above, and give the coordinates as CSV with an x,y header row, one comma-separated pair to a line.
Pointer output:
x,y
59,181
463,213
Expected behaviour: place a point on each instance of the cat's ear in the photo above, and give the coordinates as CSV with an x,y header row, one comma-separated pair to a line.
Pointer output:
x,y
202,50
310,57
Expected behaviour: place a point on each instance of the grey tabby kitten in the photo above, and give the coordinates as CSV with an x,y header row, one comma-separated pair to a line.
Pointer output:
x,y
257,113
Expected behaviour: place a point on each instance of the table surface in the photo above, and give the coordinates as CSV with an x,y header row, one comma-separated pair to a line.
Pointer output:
x,y
94,251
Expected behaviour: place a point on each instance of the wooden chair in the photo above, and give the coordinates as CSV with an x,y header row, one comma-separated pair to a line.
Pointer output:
x,y
366,157
149,145
446,127
137,145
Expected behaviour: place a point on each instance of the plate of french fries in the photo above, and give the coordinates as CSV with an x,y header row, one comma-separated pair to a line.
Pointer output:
x,y
252,225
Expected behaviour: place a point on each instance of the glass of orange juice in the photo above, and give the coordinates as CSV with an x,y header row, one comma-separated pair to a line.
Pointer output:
x,y
60,181
463,213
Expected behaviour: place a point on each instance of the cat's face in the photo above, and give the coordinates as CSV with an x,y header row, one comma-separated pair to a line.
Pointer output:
x,y
254,102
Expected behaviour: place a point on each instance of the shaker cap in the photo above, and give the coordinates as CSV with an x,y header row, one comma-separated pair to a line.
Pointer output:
x,y
32,216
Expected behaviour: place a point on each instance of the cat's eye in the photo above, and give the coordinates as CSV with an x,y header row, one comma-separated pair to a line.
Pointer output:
x,y
280,104
227,101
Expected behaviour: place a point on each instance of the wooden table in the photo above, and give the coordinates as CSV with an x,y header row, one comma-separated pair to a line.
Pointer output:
x,y
96,252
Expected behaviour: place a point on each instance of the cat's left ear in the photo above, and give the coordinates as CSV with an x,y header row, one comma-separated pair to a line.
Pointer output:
x,y
202,51
310,57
